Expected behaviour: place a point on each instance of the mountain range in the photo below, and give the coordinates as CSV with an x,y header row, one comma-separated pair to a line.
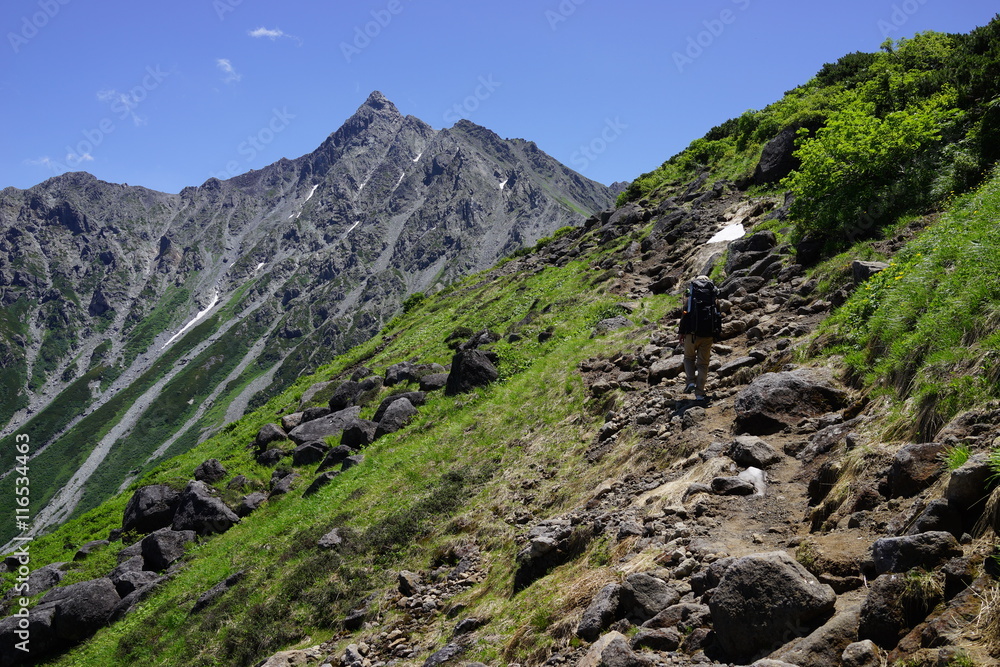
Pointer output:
x,y
137,322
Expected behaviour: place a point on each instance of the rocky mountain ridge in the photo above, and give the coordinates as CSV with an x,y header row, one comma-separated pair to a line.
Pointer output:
x,y
119,296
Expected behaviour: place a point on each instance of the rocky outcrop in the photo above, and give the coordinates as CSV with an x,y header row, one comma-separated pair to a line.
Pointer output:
x,y
150,508
200,511
470,369
776,400
324,427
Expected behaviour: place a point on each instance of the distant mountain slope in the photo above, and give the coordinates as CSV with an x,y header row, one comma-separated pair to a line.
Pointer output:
x,y
136,321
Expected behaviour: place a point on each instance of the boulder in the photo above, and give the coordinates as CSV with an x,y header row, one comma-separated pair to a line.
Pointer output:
x,y
602,612
282,484
163,547
685,617
354,392
314,413
433,382
150,508
775,400
267,435
613,651
778,159
408,583
938,516
80,609
658,639
359,434
446,654
883,617
611,324
210,472
200,511
969,485
728,369
250,503
288,422
396,416
644,596
416,398
40,580
470,369
926,550
864,653
324,427
270,458
550,543
825,645
732,486
914,468
405,371
666,369
129,581
331,540
763,600
749,450
756,477
351,461
862,271
309,453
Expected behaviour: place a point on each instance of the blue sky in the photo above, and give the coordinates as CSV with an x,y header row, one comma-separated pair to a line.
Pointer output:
x,y
167,94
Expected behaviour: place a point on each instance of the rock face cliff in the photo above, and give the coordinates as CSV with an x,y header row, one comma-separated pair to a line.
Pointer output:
x,y
135,321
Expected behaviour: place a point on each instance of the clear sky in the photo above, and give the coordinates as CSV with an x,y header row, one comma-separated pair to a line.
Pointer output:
x,y
165,94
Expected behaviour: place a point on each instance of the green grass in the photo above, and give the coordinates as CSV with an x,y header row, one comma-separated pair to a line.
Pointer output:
x,y
927,329
457,466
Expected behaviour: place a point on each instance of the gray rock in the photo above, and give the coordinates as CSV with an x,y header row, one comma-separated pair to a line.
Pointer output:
x,y
288,422
250,503
283,484
359,434
355,393
309,453
732,486
685,617
81,609
938,516
127,582
270,458
749,450
644,596
408,583
313,392
729,369
613,651
778,159
324,427
443,655
824,646
926,550
865,653
163,547
314,413
604,610
611,324
416,398
210,471
550,544
666,369
883,617
40,580
268,435
331,540
765,599
658,639
351,461
396,416
200,511
862,271
405,371
914,468
470,369
150,508
775,400
969,486
433,382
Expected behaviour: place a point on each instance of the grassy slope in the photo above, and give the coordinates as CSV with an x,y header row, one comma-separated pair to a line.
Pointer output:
x,y
458,470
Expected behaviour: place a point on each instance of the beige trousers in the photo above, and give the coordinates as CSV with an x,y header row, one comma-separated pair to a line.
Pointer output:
x,y
697,354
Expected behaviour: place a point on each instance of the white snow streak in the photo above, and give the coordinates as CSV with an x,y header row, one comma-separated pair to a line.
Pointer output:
x,y
312,192
730,233
194,320
352,227
503,183
418,156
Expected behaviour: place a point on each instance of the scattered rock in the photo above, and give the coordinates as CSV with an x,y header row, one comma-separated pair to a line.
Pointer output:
x,y
210,472
776,400
613,651
89,548
200,511
309,453
396,416
825,645
865,653
321,480
267,435
602,612
862,270
433,382
749,450
150,508
765,599
409,583
217,591
251,503
470,369
359,434
416,398
331,540
324,427
335,457
163,547
926,550
914,468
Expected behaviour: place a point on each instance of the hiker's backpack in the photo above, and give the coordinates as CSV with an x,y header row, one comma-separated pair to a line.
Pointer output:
x,y
701,313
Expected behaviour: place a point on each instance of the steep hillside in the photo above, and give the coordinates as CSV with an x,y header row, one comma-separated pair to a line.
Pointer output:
x,y
136,323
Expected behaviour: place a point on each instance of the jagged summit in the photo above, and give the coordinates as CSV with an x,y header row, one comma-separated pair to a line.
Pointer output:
x,y
378,101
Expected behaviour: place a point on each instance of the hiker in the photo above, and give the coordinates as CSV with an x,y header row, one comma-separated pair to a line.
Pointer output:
x,y
701,326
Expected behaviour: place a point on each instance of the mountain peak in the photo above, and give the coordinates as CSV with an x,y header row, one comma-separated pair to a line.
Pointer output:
x,y
378,101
